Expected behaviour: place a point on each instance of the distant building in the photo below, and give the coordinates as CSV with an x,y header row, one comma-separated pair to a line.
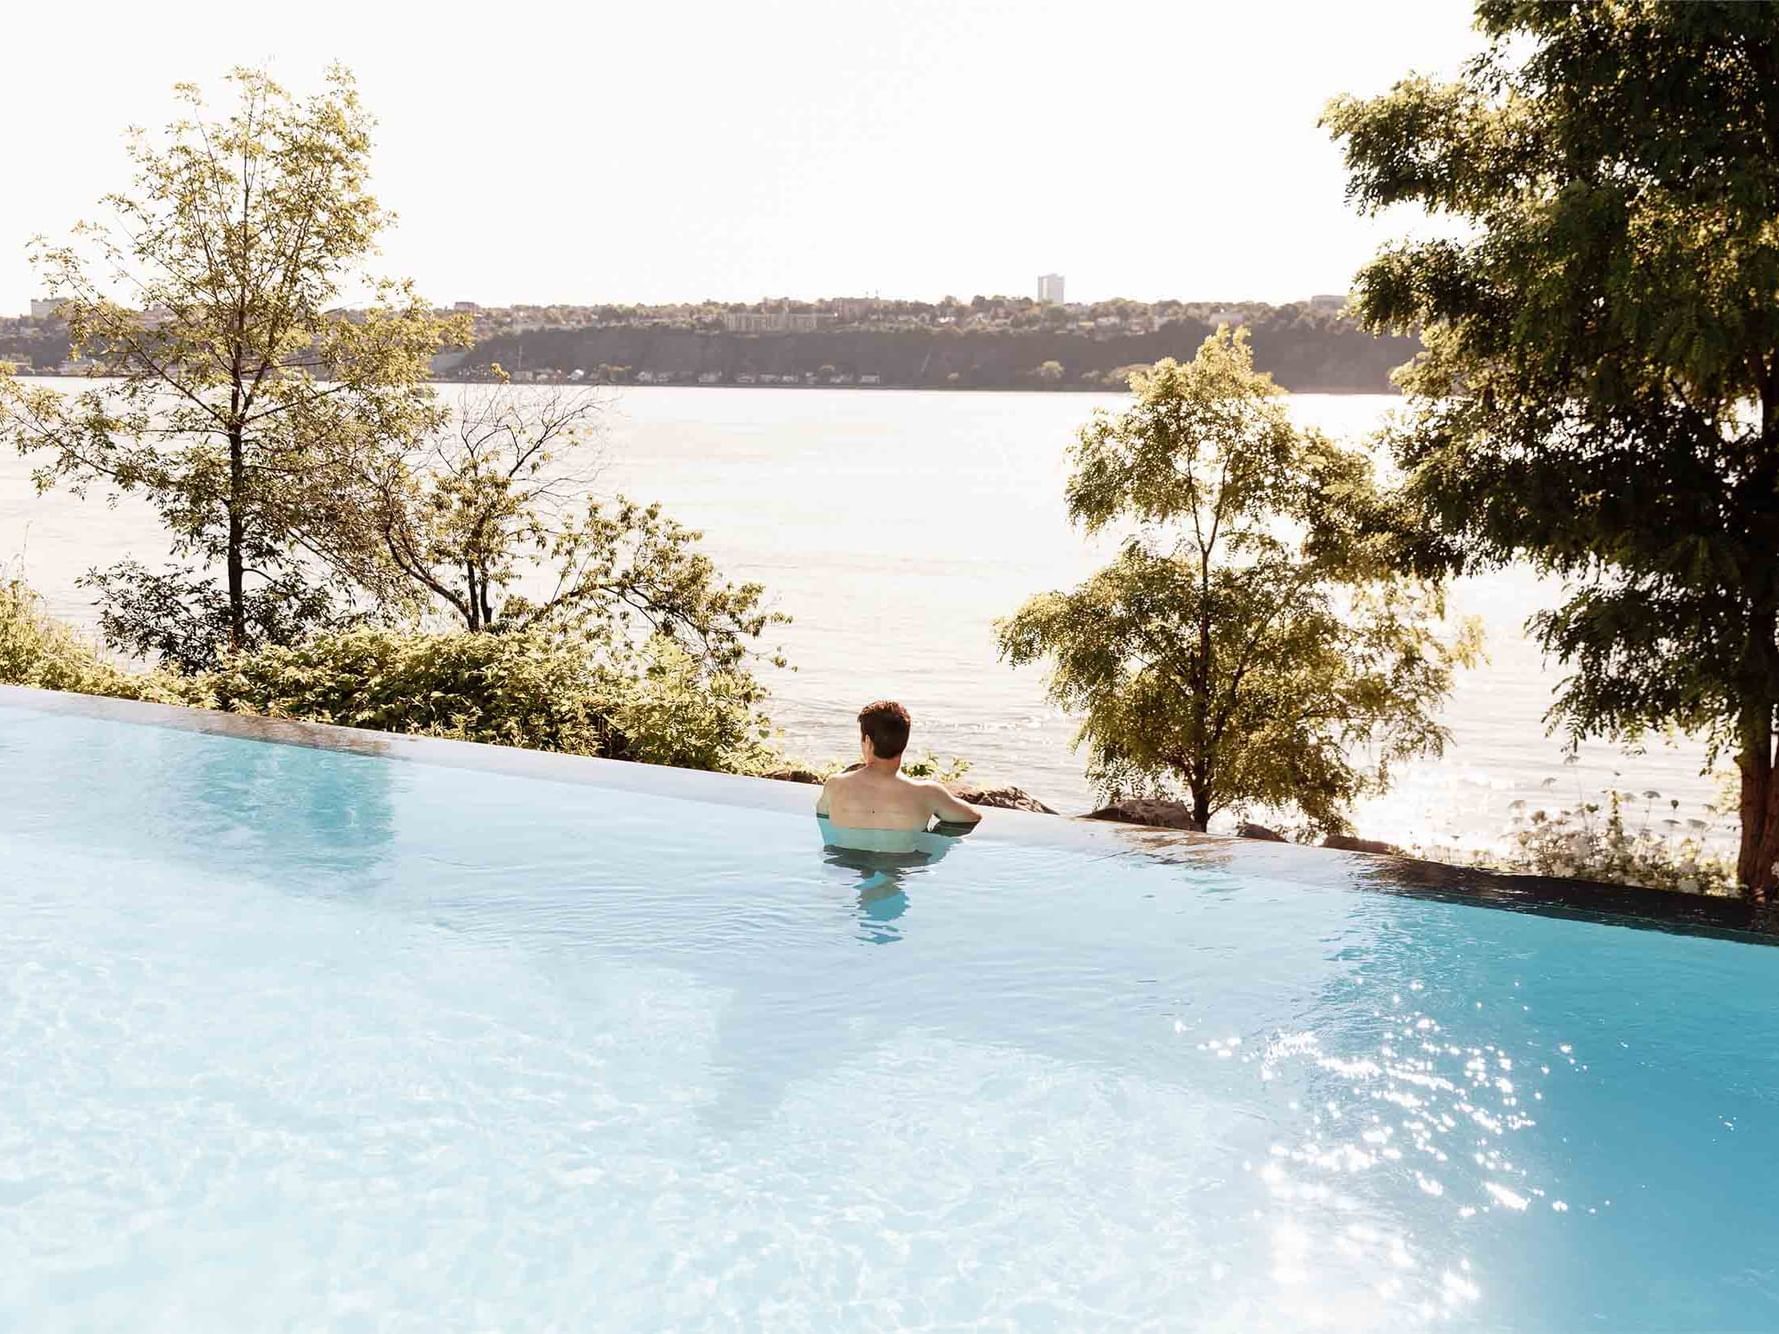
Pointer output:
x,y
46,310
1050,289
1329,301
465,307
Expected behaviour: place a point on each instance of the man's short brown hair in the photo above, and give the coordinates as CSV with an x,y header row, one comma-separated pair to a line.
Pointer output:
x,y
886,723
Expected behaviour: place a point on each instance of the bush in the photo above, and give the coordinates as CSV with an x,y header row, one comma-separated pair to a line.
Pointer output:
x,y
538,689
671,709
926,765
930,765
37,650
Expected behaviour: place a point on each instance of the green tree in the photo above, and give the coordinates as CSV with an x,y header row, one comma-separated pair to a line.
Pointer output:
x,y
492,519
1247,644
1049,374
241,403
1599,392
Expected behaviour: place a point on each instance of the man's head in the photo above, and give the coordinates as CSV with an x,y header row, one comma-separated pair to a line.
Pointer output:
x,y
883,730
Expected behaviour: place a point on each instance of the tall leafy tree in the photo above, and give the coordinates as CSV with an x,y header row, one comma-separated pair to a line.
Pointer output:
x,y
1600,387
238,400
1248,646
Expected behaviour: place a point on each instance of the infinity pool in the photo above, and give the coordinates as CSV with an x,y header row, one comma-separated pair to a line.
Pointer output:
x,y
298,1038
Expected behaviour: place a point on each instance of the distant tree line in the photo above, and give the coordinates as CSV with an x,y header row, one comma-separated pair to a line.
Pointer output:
x,y
1304,350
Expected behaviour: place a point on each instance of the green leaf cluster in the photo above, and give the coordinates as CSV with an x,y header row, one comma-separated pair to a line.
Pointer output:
x,y
1250,645
324,509
534,688
37,650
1599,392
493,521
237,399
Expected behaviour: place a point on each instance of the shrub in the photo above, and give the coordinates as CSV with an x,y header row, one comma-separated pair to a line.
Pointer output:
x,y
946,770
929,765
669,708
37,650
538,689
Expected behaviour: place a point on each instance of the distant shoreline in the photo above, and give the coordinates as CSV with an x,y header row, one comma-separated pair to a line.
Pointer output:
x,y
1340,390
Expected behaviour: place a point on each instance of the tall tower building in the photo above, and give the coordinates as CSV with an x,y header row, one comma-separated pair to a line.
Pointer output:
x,y
1050,289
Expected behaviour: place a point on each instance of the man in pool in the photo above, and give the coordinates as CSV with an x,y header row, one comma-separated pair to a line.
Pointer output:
x,y
875,795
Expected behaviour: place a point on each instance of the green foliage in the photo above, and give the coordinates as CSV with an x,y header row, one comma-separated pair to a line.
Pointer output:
x,y
946,770
316,497
181,617
1600,387
515,690
1248,643
237,402
36,650
534,688
499,503
671,707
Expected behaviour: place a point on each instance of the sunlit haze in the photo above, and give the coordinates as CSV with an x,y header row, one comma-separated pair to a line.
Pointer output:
x,y
592,152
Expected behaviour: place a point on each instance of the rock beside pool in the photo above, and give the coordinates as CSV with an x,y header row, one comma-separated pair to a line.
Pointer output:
x,y
1150,811
794,775
1347,843
1259,831
1005,798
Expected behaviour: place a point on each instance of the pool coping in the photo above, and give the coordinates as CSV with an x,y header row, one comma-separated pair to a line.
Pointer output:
x,y
1667,910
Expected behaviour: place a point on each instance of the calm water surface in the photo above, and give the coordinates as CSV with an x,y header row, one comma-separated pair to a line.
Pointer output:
x,y
895,527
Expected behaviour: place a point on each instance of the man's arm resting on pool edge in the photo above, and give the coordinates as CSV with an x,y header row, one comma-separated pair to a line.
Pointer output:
x,y
948,809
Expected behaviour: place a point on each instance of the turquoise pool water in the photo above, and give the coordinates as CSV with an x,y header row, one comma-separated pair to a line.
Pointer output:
x,y
292,1038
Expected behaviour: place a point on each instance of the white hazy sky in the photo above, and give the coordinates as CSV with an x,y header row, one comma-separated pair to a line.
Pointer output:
x,y
657,151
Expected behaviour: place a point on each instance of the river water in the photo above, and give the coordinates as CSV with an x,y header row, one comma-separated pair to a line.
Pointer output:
x,y
894,527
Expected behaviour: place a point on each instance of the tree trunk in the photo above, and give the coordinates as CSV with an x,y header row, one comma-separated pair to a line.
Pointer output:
x,y
1760,785
1760,805
237,538
1201,704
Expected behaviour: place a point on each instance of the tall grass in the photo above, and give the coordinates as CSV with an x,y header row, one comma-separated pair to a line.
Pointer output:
x,y
37,650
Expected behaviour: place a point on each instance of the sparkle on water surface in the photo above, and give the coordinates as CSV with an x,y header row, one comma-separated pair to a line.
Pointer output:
x,y
295,1038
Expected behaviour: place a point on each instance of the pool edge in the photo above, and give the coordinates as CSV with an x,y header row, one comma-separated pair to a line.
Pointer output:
x,y
1674,911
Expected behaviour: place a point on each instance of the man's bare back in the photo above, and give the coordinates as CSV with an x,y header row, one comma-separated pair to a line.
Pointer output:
x,y
871,798
876,795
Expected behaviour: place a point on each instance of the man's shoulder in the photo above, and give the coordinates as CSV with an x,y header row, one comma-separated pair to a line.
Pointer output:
x,y
929,791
